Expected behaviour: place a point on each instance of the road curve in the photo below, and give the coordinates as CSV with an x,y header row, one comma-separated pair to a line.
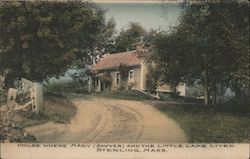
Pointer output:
x,y
108,120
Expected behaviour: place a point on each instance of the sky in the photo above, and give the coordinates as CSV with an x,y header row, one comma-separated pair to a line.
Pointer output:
x,y
149,15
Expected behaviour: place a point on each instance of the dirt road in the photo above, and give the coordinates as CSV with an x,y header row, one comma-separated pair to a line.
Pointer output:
x,y
111,120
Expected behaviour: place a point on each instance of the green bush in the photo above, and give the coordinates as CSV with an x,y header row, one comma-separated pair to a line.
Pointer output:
x,y
66,87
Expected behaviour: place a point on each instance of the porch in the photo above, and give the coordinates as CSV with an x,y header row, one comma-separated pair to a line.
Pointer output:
x,y
100,83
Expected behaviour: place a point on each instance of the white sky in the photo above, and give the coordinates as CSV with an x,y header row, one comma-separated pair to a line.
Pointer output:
x,y
149,15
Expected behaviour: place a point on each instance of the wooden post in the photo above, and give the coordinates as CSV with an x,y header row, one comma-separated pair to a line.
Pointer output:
x,y
12,93
90,84
35,91
104,86
38,98
99,85
11,98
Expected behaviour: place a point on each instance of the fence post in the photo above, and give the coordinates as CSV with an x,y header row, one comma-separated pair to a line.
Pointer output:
x,y
38,98
11,98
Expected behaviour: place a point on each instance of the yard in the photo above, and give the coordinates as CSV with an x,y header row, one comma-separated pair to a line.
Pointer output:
x,y
202,124
217,124
57,108
111,120
211,124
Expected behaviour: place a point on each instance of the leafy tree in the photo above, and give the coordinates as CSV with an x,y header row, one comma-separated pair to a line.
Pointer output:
x,y
128,38
152,78
215,29
105,40
166,57
43,39
210,45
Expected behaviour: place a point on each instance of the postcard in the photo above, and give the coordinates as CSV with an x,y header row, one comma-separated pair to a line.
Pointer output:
x,y
124,79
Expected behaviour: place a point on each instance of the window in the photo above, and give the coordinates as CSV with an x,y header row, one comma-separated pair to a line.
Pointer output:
x,y
131,76
117,78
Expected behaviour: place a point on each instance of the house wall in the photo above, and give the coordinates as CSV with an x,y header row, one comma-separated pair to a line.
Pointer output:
x,y
181,88
137,80
163,88
140,75
144,71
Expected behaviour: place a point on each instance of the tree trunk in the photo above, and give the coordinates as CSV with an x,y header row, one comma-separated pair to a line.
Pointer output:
x,y
214,94
238,94
206,93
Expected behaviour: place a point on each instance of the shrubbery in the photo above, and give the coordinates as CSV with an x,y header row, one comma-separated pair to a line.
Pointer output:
x,y
66,87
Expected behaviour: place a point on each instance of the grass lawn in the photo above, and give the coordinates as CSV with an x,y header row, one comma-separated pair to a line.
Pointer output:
x,y
220,124
57,108
124,94
201,124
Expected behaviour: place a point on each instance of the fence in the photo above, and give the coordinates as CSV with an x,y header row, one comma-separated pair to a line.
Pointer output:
x,y
31,95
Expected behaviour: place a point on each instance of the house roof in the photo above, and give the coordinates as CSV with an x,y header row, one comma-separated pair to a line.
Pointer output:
x,y
110,61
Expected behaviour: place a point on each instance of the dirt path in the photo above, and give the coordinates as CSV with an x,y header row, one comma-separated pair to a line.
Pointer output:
x,y
111,120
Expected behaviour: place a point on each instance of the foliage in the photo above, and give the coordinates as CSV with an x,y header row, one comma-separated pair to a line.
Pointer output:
x,y
128,38
68,87
152,78
40,40
9,132
217,27
210,45
168,57
218,124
